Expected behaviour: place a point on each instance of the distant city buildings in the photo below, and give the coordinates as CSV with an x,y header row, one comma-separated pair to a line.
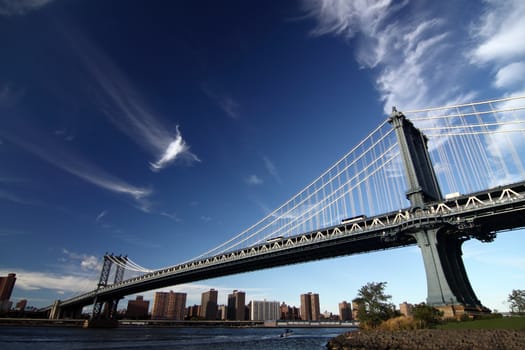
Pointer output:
x,y
406,308
356,304
193,312
345,311
236,306
310,309
137,309
289,312
7,284
21,305
172,306
168,306
209,305
264,310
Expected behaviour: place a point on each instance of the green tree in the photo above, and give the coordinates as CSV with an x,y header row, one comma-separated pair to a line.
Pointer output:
x,y
426,315
517,301
373,305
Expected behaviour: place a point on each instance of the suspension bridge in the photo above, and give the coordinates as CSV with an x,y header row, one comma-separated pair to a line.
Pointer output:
x,y
431,177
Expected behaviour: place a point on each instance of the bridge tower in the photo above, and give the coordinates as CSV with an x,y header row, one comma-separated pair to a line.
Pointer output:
x,y
447,282
108,308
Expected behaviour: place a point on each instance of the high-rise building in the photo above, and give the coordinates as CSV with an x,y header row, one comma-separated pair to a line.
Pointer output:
x,y
209,304
236,306
310,308
7,284
168,306
345,311
264,310
137,309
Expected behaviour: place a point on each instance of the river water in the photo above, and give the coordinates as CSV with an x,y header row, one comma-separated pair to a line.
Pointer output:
x,y
43,338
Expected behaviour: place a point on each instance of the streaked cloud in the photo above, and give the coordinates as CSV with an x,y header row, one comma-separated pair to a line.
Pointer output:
x,y
224,101
498,43
5,232
15,198
124,106
20,7
253,180
101,215
407,56
172,216
205,218
66,160
500,32
271,168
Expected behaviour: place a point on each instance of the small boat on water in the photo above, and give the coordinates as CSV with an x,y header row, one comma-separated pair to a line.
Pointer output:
x,y
288,332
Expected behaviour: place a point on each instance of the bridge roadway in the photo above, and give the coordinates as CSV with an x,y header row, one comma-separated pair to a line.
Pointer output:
x,y
478,215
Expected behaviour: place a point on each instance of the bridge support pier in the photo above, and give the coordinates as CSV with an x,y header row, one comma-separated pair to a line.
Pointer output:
x,y
447,280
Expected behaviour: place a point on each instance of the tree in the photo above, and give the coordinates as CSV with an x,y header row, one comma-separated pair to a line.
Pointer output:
x,y
373,305
426,315
517,300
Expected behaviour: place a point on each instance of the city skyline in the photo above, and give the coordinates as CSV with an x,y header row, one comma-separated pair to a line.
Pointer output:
x,y
161,130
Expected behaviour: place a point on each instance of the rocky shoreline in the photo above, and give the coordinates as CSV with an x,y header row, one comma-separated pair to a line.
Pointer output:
x,y
432,339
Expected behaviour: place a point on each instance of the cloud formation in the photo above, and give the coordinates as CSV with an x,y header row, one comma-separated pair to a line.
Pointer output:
x,y
20,7
500,32
75,165
224,101
101,215
254,180
177,149
125,108
407,52
272,169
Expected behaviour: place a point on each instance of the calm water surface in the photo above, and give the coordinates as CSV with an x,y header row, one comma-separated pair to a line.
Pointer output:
x,y
43,338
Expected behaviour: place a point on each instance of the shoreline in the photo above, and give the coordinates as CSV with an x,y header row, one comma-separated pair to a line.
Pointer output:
x,y
78,323
432,339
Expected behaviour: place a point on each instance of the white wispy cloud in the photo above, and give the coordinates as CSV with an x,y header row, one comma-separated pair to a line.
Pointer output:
x,y
75,165
124,106
84,261
253,180
271,168
230,106
15,198
205,218
177,149
101,215
20,7
500,32
5,232
172,216
407,56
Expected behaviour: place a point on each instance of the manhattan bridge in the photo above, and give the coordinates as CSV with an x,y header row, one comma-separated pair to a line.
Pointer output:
x,y
432,177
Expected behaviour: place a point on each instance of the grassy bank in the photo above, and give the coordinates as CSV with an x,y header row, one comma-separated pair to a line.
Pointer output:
x,y
496,323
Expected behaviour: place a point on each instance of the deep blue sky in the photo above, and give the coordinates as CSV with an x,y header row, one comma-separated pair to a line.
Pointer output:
x,y
255,100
